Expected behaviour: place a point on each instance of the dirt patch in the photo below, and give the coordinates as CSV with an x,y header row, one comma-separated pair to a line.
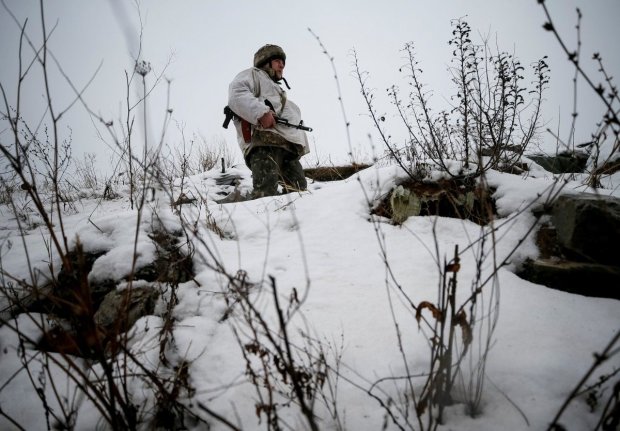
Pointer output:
x,y
333,173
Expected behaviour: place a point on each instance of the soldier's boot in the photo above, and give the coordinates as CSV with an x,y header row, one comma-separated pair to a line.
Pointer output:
x,y
294,177
265,173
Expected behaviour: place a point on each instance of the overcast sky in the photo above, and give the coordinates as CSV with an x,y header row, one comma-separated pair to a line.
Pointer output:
x,y
206,43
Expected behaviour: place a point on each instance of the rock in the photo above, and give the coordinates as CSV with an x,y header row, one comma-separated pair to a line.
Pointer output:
x,y
579,247
85,342
183,199
588,226
95,336
171,265
566,162
68,290
234,196
404,204
588,279
120,309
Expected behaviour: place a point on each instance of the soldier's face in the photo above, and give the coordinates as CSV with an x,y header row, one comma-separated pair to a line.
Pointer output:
x,y
278,67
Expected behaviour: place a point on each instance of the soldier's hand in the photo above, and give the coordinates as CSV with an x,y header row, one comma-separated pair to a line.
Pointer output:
x,y
267,121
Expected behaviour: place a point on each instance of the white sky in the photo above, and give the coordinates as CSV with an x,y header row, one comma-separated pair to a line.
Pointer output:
x,y
209,42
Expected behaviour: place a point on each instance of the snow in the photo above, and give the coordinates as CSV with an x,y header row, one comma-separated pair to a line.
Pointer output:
x,y
354,275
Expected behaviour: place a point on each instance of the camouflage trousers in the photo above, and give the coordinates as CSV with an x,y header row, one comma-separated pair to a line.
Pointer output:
x,y
273,165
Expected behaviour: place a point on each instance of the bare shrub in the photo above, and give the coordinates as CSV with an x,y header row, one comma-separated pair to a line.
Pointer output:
x,y
210,153
604,145
86,173
282,373
8,187
490,124
72,360
494,118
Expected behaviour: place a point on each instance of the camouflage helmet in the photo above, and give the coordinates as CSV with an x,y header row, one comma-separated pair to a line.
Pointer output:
x,y
267,53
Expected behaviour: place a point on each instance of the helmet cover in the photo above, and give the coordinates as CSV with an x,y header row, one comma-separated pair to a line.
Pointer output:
x,y
267,53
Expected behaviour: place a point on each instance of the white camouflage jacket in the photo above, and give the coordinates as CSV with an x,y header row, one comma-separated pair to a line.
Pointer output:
x,y
246,97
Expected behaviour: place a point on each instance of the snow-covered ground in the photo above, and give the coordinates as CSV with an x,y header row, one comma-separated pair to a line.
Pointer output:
x,y
324,245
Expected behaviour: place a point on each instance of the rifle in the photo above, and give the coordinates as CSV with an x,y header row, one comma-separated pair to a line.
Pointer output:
x,y
285,122
245,125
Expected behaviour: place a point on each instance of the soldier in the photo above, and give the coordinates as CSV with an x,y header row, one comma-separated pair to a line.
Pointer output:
x,y
271,150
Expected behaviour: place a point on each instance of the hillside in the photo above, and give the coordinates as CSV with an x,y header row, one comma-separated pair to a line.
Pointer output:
x,y
356,293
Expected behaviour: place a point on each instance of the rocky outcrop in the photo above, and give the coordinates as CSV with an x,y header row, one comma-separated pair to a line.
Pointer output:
x,y
563,163
120,309
460,198
588,227
88,316
588,279
579,247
